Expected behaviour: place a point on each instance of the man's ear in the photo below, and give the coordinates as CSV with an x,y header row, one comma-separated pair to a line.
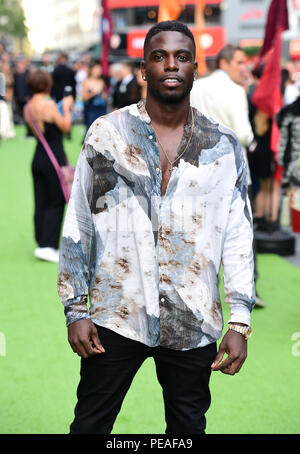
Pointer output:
x,y
195,70
143,69
223,64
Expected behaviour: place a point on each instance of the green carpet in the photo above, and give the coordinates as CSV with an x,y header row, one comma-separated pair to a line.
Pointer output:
x,y
39,372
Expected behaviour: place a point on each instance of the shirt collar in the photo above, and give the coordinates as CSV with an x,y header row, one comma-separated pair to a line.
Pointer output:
x,y
222,73
146,118
143,112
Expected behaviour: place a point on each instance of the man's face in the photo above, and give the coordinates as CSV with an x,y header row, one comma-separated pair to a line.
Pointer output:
x,y
236,68
169,66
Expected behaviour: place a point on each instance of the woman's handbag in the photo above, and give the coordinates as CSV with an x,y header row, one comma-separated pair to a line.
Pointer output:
x,y
65,173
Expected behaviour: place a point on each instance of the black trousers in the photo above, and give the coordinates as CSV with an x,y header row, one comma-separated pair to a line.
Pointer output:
x,y
105,379
49,202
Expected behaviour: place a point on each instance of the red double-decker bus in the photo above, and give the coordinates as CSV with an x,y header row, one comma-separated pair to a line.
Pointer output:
x,y
132,19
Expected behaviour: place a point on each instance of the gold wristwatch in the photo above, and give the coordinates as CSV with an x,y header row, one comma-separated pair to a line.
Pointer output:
x,y
246,331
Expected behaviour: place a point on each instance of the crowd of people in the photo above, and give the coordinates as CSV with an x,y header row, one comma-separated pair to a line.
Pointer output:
x,y
94,95
47,98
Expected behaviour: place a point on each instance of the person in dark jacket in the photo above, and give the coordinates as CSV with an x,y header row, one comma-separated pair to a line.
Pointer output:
x,y
22,92
127,90
288,120
63,76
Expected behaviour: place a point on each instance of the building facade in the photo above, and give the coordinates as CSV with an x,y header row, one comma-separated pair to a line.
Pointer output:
x,y
74,25
77,23
68,25
291,44
245,20
132,19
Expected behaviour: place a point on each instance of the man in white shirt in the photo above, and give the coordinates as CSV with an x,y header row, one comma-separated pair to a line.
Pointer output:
x,y
222,97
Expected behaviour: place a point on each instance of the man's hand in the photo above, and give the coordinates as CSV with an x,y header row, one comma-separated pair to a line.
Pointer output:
x,y
83,338
235,345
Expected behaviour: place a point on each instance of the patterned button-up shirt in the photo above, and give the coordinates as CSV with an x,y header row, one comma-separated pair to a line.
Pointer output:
x,y
146,264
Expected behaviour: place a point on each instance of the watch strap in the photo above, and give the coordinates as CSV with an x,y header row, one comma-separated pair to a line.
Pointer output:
x,y
246,331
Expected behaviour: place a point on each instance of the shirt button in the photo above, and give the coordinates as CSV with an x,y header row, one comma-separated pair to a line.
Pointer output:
x,y
157,169
163,235
162,300
150,137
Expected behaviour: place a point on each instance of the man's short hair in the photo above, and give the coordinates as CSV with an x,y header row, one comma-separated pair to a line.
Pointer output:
x,y
227,53
169,26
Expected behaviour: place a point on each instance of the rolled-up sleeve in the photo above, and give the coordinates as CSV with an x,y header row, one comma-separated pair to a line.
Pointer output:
x,y
76,260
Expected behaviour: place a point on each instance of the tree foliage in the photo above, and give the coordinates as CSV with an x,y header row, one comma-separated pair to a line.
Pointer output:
x,y
12,18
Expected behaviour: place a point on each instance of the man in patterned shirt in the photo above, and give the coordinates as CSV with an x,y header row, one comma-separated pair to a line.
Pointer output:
x,y
159,203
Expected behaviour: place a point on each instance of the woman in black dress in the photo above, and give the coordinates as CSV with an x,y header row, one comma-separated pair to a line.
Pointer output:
x,y
262,166
48,195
